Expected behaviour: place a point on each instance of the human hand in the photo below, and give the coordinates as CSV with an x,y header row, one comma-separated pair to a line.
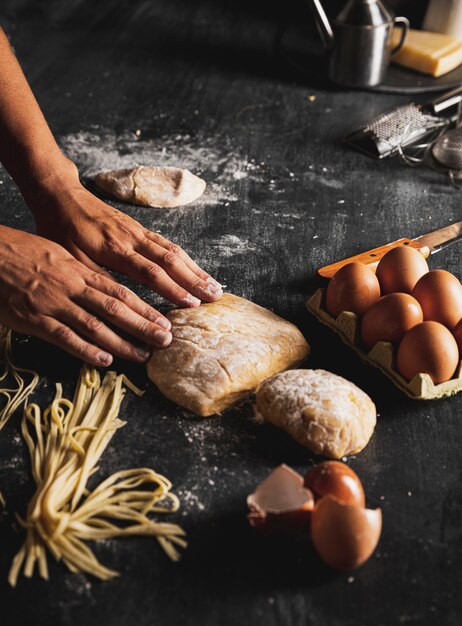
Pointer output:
x,y
46,292
100,235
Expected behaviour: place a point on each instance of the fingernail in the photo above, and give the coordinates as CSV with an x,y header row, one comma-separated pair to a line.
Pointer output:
x,y
104,358
143,354
191,301
162,338
214,283
214,289
163,323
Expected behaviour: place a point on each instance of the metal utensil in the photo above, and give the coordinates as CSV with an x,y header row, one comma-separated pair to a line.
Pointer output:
x,y
359,42
405,125
447,149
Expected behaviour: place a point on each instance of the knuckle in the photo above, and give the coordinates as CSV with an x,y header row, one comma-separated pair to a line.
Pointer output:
x,y
112,306
144,327
114,245
93,324
86,291
150,314
122,293
62,334
92,280
175,248
153,236
198,282
171,258
154,272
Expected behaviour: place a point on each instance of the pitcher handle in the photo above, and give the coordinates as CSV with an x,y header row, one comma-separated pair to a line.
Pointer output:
x,y
403,23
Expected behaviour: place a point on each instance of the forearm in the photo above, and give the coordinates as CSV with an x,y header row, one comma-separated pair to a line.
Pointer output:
x,y
65,212
28,149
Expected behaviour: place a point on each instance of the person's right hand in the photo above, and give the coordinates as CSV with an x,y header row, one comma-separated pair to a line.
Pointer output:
x,y
46,292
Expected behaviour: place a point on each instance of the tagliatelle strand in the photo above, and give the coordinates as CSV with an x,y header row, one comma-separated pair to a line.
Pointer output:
x,y
65,443
14,396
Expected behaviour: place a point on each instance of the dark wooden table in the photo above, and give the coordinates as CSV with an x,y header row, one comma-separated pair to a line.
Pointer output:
x,y
203,85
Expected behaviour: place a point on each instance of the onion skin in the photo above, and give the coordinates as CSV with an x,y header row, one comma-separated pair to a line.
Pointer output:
x,y
336,479
344,536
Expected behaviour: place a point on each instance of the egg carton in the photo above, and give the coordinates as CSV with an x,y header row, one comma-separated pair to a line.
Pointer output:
x,y
347,326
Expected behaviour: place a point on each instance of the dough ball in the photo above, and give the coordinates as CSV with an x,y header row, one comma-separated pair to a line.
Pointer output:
x,y
221,351
157,187
322,411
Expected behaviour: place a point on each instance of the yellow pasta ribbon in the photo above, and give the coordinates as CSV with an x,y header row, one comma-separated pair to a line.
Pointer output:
x,y
65,443
12,397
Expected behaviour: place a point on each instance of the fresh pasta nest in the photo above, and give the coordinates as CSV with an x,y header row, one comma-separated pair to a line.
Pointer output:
x,y
65,444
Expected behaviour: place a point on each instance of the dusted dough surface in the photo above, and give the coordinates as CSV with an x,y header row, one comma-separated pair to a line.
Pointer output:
x,y
221,351
158,187
324,412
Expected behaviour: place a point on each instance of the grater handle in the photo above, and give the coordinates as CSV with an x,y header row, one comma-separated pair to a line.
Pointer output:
x,y
445,101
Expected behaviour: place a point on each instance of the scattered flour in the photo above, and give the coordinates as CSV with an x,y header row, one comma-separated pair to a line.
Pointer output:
x,y
78,584
333,183
213,158
189,499
210,440
228,246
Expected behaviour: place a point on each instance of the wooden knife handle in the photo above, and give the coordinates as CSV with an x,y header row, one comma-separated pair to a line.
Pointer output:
x,y
372,257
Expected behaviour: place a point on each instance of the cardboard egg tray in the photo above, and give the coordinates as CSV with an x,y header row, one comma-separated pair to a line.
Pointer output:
x,y
347,326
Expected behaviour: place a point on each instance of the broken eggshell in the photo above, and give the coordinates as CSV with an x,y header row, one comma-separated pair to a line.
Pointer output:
x,y
344,536
280,503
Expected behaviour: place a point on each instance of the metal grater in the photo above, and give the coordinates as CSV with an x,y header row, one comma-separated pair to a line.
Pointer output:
x,y
403,126
399,128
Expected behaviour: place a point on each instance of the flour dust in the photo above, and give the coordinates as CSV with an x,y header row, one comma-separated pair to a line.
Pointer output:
x,y
213,158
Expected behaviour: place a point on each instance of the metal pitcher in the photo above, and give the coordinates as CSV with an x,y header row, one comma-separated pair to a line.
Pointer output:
x,y
359,42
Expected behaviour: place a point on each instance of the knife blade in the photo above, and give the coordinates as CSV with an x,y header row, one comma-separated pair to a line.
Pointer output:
x,y
426,244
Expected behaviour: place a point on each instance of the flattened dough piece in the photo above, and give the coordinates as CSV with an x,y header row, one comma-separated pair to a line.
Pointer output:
x,y
158,187
324,412
221,351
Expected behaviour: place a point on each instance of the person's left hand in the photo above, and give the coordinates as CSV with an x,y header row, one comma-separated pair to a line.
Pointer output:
x,y
99,235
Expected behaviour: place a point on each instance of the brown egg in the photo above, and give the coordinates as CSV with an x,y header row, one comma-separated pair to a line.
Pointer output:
x,y
335,479
400,269
428,348
353,288
440,295
390,318
280,502
344,536
457,332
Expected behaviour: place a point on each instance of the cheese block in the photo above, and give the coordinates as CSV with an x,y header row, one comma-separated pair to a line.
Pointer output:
x,y
429,53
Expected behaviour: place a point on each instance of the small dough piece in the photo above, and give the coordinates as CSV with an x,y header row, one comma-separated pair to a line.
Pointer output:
x,y
157,187
221,351
324,412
